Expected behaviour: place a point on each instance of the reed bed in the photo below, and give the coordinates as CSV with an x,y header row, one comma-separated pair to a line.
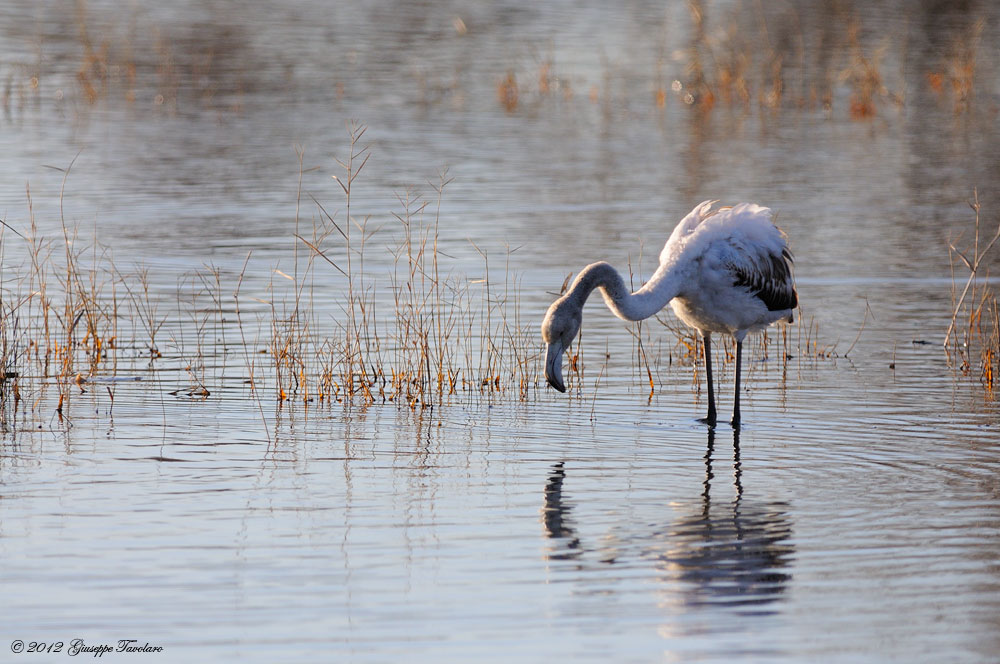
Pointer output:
x,y
419,334
972,340
331,330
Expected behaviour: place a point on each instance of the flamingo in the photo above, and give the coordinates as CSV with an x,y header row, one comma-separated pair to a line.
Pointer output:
x,y
726,270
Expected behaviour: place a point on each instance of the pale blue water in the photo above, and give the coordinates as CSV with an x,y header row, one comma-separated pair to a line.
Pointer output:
x,y
855,518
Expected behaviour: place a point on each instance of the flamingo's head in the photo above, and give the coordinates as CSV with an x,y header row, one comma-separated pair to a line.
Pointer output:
x,y
560,327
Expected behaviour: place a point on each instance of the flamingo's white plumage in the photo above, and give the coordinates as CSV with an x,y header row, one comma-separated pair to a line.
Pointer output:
x,y
725,270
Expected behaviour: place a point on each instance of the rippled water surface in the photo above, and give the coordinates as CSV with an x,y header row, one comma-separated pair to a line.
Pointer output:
x,y
854,517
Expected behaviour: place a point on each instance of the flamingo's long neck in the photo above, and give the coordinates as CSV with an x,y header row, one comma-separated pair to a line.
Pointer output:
x,y
662,287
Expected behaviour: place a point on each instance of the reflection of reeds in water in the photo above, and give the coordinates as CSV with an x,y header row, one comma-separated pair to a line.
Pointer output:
x,y
773,56
145,65
733,57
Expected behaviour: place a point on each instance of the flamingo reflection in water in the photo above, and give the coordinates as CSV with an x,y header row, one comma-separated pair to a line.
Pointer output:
x,y
556,518
732,553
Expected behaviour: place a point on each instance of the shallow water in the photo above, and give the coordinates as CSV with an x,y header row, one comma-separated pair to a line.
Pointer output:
x,y
855,517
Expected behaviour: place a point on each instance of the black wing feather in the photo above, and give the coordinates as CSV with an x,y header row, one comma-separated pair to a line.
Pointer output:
x,y
770,280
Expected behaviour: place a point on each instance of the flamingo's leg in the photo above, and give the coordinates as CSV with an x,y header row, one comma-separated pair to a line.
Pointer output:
x,y
736,398
710,420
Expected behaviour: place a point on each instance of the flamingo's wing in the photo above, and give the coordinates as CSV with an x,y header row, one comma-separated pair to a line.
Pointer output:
x,y
685,228
760,260
768,277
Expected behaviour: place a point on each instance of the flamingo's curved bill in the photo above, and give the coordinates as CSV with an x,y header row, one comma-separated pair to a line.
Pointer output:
x,y
553,366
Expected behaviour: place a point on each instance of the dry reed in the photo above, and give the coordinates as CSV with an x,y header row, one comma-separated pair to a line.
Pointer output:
x,y
973,335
